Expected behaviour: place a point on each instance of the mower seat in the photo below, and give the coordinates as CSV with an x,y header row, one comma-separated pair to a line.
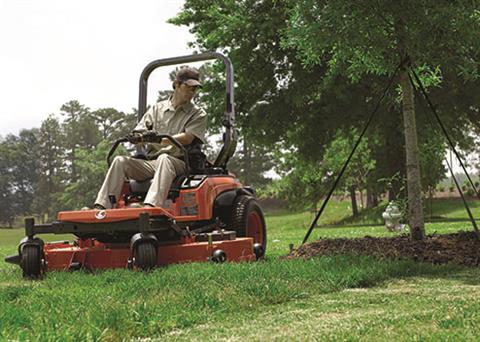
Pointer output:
x,y
140,188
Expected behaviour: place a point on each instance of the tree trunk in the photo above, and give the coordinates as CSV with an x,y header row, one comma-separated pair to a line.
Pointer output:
x,y
74,169
353,197
430,198
372,200
247,155
414,188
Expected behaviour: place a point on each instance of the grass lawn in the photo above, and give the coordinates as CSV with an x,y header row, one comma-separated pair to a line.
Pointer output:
x,y
335,298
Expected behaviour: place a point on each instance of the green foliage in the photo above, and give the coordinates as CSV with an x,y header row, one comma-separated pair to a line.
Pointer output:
x,y
305,69
112,123
301,187
92,167
19,166
308,182
7,213
61,165
361,164
250,163
432,154
52,166
369,37
79,130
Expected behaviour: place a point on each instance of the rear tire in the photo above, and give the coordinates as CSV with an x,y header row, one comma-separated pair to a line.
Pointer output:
x,y
145,254
31,262
248,221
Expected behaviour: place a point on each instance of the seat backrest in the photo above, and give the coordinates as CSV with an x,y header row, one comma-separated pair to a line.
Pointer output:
x,y
228,148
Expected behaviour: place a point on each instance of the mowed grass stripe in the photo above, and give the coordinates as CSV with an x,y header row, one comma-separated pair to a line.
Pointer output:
x,y
72,306
427,308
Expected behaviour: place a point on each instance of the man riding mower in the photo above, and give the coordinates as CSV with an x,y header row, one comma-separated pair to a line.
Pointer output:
x,y
174,207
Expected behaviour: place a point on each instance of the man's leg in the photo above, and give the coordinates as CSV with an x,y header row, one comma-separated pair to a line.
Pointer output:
x,y
121,168
167,168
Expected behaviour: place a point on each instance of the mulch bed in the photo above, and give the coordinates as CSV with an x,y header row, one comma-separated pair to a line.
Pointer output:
x,y
460,248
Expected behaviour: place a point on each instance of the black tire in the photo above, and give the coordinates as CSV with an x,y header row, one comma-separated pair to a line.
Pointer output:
x,y
31,261
243,207
145,254
219,256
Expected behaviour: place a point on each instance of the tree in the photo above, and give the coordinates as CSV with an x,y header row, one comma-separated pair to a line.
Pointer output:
x,y
360,166
432,154
25,169
280,103
304,56
79,130
371,37
250,164
108,121
306,176
6,190
92,167
19,166
52,166
315,180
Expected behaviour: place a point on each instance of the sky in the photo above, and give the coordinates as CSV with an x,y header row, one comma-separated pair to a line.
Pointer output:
x,y
54,51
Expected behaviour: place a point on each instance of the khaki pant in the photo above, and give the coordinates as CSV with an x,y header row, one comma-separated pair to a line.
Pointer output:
x,y
163,170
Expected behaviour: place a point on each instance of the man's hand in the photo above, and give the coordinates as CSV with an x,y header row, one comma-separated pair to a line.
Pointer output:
x,y
143,137
150,136
134,138
153,137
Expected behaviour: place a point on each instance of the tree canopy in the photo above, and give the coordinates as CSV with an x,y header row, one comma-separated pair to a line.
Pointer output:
x,y
307,68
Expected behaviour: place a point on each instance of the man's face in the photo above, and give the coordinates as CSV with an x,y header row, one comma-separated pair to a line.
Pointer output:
x,y
186,92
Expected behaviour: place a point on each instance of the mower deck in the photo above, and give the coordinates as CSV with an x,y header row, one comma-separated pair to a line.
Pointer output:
x,y
91,254
143,249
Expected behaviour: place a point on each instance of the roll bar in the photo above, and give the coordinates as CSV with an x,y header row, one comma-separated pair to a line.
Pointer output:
x,y
230,136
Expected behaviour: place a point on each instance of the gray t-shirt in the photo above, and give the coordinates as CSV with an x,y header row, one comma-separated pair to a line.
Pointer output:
x,y
165,119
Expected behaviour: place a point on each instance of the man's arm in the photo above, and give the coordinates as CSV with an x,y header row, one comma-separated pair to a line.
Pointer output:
x,y
183,138
146,123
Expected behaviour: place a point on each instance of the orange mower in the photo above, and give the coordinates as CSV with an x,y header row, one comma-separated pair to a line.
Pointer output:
x,y
210,215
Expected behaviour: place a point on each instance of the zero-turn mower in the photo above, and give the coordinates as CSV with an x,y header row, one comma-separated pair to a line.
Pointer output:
x,y
211,216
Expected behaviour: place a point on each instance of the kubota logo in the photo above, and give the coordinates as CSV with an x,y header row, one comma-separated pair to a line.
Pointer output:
x,y
100,215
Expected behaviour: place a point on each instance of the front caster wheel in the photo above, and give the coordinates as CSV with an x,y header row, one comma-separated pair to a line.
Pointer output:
x,y
145,254
258,250
219,256
31,261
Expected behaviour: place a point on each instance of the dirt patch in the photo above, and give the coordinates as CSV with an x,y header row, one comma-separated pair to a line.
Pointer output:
x,y
460,248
